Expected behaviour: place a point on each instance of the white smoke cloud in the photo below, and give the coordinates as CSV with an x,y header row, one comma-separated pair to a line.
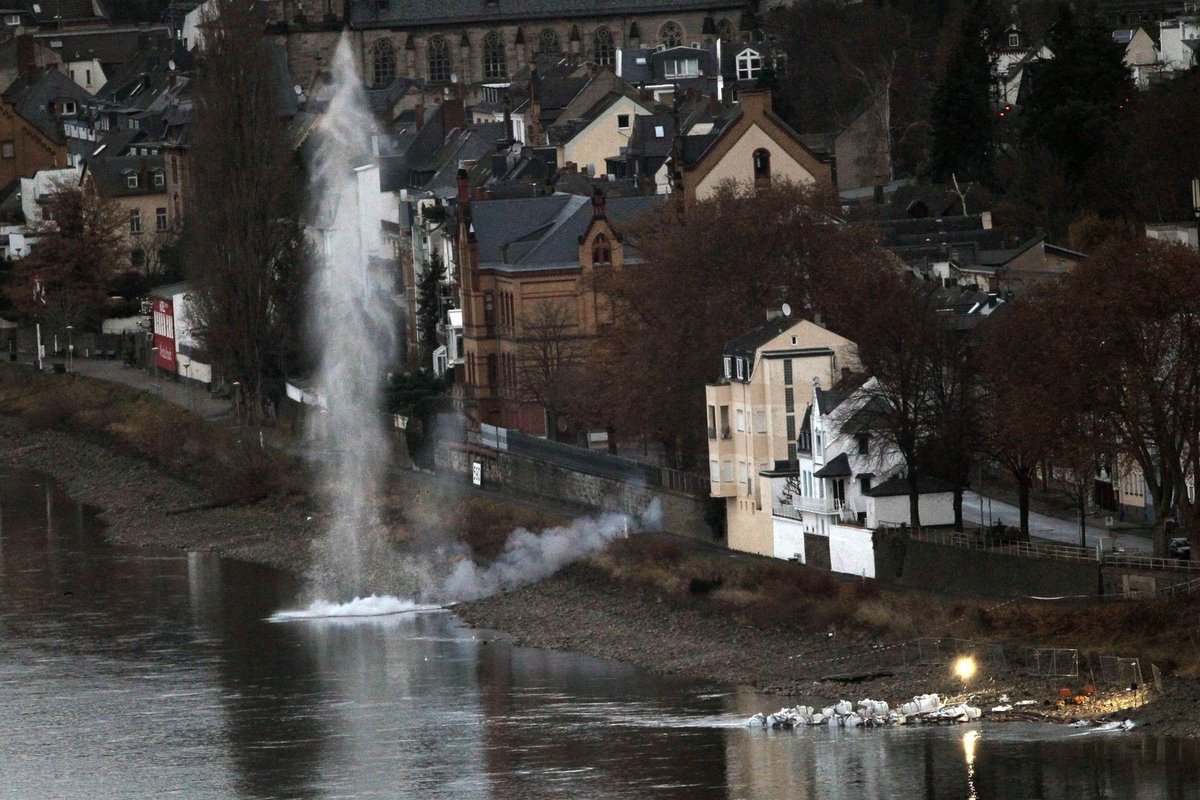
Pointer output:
x,y
530,557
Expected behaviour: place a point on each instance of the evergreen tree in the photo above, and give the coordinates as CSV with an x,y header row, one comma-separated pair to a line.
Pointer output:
x,y
429,310
961,108
1076,99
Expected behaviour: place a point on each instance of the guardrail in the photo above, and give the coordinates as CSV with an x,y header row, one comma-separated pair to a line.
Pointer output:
x,y
1149,562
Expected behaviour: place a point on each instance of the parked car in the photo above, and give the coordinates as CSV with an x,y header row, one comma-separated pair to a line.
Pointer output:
x,y
1180,547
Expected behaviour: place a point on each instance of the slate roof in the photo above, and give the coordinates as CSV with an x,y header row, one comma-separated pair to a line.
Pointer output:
x,y
416,13
115,48
109,175
542,232
32,99
829,399
51,12
837,467
748,343
897,486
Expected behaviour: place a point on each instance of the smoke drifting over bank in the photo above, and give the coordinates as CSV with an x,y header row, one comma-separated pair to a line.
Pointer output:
x,y
453,577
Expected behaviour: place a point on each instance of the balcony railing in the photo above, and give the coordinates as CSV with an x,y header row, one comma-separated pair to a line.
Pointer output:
x,y
819,505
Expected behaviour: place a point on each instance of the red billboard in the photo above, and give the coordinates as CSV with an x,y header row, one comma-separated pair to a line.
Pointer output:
x,y
164,334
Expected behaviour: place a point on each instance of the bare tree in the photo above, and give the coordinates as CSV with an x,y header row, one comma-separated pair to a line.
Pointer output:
x,y
245,249
550,355
1142,323
695,290
80,246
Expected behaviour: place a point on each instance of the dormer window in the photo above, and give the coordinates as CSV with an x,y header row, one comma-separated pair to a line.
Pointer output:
x,y
681,68
68,107
131,180
728,367
1014,40
160,179
749,65
741,369
12,20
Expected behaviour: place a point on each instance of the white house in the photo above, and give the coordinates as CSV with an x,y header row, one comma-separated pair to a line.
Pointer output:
x,y
848,483
1141,54
1177,42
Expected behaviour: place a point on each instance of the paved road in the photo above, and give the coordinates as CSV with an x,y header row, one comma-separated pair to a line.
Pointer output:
x,y
1051,528
190,395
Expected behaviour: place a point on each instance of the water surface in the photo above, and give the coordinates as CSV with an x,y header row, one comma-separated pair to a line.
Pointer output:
x,y
138,673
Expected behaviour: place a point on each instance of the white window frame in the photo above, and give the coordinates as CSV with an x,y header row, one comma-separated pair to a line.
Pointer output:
x,y
131,180
624,122
728,367
740,369
740,415
681,68
1014,40
749,64
160,179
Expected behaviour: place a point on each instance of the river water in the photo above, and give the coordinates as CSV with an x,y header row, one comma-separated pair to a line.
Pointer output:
x,y
130,673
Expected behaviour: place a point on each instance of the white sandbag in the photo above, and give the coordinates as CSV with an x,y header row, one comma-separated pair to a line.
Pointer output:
x,y
817,719
757,721
1128,725
843,707
1020,703
910,709
1001,709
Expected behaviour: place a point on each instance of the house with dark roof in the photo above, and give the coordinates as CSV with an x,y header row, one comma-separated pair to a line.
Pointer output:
x,y
849,481
597,123
33,111
754,147
755,409
141,187
523,263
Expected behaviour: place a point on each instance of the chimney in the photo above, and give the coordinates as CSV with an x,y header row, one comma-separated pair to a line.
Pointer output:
x,y
453,115
464,188
598,201
755,102
26,57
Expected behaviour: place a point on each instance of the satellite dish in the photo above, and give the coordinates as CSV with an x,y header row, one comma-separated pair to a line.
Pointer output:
x,y
787,310
171,65
298,90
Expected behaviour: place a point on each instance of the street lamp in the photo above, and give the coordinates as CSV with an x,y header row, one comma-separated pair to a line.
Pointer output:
x,y
157,383
70,347
237,397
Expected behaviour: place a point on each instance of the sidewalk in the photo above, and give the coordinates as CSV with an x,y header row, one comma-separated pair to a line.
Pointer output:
x,y
187,394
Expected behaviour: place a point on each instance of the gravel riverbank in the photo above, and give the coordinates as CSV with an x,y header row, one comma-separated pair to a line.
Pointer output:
x,y
582,608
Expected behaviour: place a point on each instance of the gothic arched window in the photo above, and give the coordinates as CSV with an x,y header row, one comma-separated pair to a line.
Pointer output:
x,y
671,34
495,63
548,42
438,56
603,47
383,64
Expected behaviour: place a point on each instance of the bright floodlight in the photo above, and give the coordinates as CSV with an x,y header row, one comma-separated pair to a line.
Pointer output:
x,y
964,668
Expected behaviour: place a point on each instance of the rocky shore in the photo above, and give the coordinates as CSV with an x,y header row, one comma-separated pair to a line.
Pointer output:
x,y
582,608
142,506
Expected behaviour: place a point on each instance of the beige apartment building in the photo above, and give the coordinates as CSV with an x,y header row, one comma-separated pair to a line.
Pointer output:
x,y
755,413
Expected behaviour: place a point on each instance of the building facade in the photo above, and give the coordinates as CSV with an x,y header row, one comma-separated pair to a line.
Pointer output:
x,y
754,417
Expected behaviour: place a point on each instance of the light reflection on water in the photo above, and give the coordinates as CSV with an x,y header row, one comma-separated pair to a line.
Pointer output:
x,y
126,673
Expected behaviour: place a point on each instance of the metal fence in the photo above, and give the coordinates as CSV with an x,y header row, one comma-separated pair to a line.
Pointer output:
x,y
1119,671
1056,662
1061,552
591,462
